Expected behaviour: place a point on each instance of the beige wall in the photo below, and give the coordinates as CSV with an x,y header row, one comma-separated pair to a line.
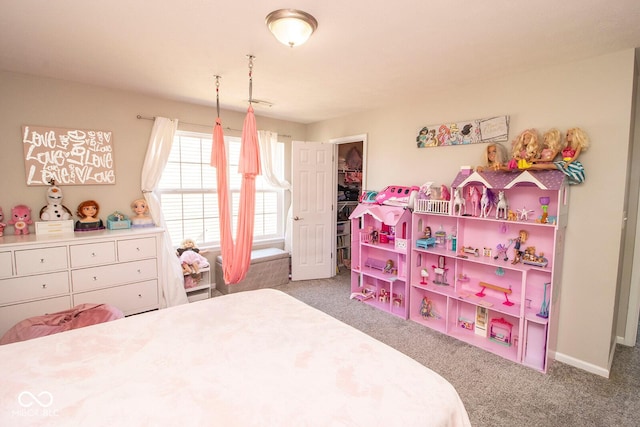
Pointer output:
x,y
595,95
55,103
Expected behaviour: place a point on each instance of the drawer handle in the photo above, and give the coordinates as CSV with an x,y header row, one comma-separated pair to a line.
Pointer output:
x,y
139,271
139,295
41,260
44,286
93,254
138,249
95,278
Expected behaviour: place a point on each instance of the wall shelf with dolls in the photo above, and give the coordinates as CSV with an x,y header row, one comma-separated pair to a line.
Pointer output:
x,y
380,245
485,272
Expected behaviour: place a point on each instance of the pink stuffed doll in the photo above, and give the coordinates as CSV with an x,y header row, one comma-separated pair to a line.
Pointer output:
x,y
20,219
2,224
191,260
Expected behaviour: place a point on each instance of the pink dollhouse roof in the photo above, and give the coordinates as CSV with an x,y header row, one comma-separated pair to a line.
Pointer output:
x,y
546,180
389,215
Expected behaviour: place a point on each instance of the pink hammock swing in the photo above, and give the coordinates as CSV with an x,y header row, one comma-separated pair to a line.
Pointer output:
x,y
236,258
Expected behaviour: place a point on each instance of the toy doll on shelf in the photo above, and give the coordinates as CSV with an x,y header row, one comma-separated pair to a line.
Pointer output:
x,y
494,158
551,146
88,212
525,149
577,142
191,261
142,218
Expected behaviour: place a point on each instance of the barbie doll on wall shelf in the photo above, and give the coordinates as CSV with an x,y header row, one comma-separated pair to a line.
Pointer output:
x,y
494,158
577,142
525,149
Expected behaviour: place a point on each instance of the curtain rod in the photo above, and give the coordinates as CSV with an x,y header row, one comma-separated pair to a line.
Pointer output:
x,y
141,117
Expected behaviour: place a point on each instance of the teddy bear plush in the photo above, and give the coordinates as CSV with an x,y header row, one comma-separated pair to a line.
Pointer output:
x,y
20,219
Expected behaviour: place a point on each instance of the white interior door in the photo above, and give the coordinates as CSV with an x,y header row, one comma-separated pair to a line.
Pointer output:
x,y
312,210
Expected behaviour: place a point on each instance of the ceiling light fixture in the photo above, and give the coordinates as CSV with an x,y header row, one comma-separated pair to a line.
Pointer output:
x,y
290,26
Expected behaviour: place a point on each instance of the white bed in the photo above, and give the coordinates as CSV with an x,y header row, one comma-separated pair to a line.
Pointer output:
x,y
256,358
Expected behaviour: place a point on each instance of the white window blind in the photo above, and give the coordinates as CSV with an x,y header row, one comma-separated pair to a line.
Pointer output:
x,y
188,192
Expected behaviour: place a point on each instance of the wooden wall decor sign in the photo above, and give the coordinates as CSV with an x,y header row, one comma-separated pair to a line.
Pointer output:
x,y
67,156
493,129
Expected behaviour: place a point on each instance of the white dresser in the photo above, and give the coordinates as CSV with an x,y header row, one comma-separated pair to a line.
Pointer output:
x,y
42,274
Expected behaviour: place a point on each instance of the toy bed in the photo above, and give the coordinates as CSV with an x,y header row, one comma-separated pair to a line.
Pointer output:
x,y
252,358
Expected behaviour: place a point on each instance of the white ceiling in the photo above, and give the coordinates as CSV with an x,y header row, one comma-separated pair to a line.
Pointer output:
x,y
365,54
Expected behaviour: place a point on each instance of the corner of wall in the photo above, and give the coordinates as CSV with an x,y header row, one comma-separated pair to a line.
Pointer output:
x,y
585,366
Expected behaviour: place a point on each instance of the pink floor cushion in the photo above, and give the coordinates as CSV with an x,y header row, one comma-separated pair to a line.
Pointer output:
x,y
77,317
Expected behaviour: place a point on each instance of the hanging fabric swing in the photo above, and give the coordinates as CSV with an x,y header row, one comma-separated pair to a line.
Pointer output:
x,y
236,258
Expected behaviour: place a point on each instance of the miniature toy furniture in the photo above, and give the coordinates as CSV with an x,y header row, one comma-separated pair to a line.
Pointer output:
x,y
370,283
269,267
119,268
489,288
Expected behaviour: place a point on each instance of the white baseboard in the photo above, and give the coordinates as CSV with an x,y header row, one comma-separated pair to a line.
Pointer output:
x,y
585,366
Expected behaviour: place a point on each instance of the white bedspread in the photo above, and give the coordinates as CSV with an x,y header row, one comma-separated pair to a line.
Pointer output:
x,y
257,358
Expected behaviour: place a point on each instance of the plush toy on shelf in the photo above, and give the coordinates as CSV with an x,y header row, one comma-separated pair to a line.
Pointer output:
x,y
2,224
54,210
191,260
20,219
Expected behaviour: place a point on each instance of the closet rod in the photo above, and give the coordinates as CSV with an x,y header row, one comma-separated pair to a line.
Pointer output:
x,y
141,117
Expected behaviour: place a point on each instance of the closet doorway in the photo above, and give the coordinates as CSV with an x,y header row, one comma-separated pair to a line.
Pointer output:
x,y
350,155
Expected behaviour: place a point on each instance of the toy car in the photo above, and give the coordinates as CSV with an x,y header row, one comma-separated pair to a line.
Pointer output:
x,y
396,195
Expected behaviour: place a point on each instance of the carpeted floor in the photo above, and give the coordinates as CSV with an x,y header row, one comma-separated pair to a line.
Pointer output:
x,y
496,392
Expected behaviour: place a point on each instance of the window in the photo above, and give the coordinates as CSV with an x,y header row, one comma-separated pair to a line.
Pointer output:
x,y
188,192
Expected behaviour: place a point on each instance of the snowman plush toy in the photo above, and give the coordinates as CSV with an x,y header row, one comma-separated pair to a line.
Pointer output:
x,y
54,210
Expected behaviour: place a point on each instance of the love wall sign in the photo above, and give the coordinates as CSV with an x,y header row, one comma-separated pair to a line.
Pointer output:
x,y
67,156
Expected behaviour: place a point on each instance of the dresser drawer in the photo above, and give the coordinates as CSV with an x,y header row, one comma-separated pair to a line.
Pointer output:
x,y
87,279
129,250
12,314
92,254
131,299
33,287
34,261
6,270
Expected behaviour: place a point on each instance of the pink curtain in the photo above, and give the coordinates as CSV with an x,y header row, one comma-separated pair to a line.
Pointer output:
x,y
236,258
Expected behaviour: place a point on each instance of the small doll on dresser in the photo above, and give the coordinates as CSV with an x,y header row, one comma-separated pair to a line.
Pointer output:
x,y
142,218
88,212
